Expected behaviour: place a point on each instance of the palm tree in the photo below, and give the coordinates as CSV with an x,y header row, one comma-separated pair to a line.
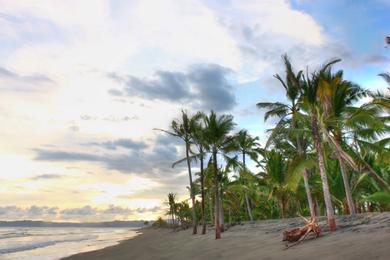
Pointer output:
x,y
281,176
336,95
216,133
292,85
246,145
183,128
172,208
183,213
198,137
310,98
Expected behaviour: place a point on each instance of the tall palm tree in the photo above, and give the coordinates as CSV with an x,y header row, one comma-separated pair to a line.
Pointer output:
x,y
292,85
335,96
310,98
217,129
245,145
198,137
183,128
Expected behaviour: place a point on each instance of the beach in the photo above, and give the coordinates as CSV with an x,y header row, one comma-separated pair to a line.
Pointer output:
x,y
365,236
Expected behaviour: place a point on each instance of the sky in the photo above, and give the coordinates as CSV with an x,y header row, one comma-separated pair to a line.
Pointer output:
x,y
84,83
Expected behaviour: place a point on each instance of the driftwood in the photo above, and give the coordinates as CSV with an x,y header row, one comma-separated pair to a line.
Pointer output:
x,y
297,235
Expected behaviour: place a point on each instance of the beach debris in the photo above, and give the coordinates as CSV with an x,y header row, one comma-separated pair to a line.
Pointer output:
x,y
297,235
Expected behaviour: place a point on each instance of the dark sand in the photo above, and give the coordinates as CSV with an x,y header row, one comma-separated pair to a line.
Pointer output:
x,y
363,237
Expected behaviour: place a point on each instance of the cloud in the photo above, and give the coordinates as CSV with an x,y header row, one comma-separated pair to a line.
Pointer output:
x,y
35,210
10,210
49,155
377,59
15,212
86,210
121,143
269,29
203,86
12,81
121,119
74,128
82,213
47,177
111,118
156,162
116,210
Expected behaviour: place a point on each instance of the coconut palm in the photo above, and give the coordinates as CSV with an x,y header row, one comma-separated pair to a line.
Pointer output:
x,y
245,145
292,85
216,135
172,206
199,139
183,128
335,96
281,175
310,99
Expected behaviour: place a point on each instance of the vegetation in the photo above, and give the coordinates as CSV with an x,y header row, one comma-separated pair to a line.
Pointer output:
x,y
160,223
327,154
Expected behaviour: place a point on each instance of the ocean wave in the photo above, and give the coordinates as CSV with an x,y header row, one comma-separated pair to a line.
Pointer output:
x,y
14,234
40,244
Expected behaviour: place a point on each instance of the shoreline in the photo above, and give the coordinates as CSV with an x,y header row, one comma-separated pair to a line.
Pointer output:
x,y
365,236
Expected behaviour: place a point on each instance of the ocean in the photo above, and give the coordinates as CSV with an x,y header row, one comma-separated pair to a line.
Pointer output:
x,y
33,243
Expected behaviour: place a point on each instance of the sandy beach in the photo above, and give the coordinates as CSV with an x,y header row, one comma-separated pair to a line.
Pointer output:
x,y
365,236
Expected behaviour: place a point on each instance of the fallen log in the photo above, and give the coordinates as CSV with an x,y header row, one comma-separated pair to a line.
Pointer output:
x,y
297,235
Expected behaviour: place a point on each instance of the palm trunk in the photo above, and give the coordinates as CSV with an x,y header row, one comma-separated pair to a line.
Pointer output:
x,y
203,195
221,213
324,178
194,224
375,176
248,206
217,200
337,141
230,217
317,207
211,209
308,193
348,193
281,214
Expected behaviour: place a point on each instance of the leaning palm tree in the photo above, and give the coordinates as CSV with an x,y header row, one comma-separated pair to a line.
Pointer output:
x,y
292,85
183,129
310,99
216,133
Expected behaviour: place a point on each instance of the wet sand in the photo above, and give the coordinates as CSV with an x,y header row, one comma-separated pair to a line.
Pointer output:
x,y
365,236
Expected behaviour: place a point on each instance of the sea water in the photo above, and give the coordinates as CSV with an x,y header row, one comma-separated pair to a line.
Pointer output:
x,y
33,243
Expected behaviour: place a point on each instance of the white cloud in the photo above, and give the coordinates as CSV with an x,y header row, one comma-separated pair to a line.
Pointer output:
x,y
278,17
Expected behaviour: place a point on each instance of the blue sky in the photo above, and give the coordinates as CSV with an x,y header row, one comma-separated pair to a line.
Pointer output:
x,y
83,83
